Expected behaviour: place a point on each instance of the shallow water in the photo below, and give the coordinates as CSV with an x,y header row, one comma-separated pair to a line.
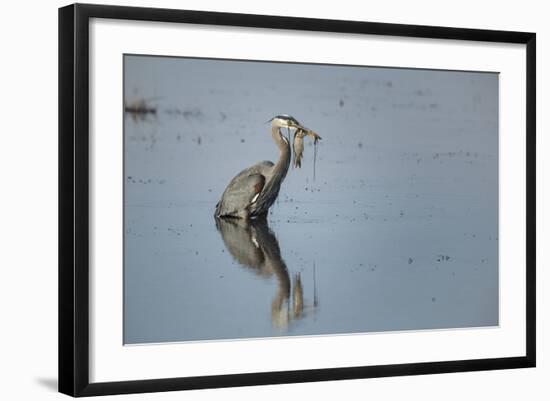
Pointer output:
x,y
399,230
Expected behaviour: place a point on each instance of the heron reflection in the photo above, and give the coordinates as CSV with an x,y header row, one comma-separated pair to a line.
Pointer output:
x,y
254,246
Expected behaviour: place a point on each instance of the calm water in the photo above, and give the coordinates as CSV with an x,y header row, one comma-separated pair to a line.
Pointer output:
x,y
398,231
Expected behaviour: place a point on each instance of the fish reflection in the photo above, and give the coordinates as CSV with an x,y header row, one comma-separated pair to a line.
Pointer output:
x,y
254,246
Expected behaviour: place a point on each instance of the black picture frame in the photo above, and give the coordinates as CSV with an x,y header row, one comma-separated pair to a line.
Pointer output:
x,y
74,198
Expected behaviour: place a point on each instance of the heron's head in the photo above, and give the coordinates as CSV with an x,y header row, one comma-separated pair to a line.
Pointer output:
x,y
285,121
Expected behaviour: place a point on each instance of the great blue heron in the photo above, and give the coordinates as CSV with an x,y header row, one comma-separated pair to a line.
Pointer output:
x,y
252,192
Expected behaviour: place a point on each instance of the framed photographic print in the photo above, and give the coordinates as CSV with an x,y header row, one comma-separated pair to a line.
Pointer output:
x,y
250,199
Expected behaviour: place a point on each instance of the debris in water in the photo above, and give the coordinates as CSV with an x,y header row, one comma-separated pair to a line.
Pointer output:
x,y
194,113
139,109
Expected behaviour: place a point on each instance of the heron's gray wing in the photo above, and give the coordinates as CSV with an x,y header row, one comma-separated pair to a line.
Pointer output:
x,y
240,193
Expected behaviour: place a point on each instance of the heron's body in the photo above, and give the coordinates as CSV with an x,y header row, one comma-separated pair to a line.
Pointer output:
x,y
252,192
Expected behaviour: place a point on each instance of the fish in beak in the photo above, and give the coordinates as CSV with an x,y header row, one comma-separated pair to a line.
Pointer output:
x,y
298,144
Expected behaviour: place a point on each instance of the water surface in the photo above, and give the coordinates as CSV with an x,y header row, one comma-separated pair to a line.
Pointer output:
x,y
398,231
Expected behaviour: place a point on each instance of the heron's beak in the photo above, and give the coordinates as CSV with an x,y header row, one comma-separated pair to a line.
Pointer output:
x,y
299,127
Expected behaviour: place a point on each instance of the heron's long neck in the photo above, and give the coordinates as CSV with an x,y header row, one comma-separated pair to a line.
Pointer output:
x,y
281,167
